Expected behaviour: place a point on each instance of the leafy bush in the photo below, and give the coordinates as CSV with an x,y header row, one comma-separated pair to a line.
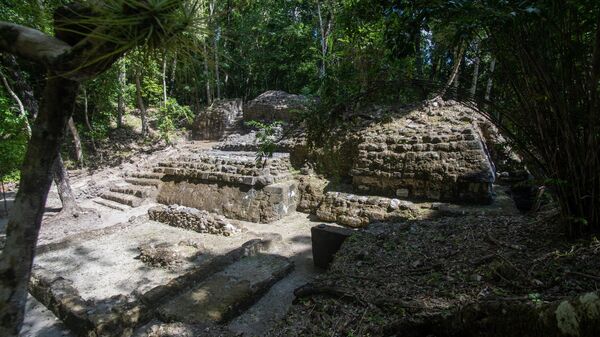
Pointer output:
x,y
13,144
172,116
267,139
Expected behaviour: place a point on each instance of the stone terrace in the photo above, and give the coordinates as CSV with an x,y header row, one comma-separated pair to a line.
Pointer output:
x,y
232,184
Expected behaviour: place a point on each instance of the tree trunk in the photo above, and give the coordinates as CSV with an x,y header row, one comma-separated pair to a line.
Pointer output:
x,y
476,62
173,74
456,83
26,215
87,119
488,88
164,81
455,70
323,41
207,74
142,107
76,142
120,101
216,50
22,111
418,53
63,185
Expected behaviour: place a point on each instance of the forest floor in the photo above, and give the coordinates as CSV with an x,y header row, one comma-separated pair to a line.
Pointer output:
x,y
404,272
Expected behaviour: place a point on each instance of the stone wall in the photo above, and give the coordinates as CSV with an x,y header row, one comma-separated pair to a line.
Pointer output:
x,y
231,184
193,219
359,211
215,121
347,208
434,152
274,105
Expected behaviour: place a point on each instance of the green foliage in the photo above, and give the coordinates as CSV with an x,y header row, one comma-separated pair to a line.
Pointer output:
x,y
171,116
13,140
267,139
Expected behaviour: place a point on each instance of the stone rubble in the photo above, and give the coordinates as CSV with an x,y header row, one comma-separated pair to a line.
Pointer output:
x,y
193,219
359,211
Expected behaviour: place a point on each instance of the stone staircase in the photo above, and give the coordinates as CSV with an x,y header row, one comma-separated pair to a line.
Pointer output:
x,y
133,191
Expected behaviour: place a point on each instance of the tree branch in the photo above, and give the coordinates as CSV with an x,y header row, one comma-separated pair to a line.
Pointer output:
x,y
31,43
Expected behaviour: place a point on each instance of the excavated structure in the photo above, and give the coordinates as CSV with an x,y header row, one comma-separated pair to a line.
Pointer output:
x,y
233,184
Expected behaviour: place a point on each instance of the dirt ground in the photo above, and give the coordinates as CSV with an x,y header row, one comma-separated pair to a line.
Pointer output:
x,y
414,271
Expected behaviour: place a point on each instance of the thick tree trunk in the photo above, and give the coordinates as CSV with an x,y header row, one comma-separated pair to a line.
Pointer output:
x,y
120,100
76,142
141,105
26,215
63,185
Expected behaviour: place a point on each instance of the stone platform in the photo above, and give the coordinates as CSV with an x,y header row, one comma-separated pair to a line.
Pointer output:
x,y
110,282
232,184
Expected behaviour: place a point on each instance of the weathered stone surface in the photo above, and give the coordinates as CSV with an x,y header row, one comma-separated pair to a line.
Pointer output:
x,y
239,202
434,152
275,105
193,219
226,293
231,184
311,193
359,211
229,167
217,120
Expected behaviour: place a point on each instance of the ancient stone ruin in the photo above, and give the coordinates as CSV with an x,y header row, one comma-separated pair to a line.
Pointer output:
x,y
233,184
210,220
438,153
275,105
218,120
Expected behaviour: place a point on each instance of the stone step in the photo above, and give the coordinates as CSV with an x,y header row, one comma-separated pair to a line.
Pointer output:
x,y
144,175
143,181
121,198
111,204
135,190
228,293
